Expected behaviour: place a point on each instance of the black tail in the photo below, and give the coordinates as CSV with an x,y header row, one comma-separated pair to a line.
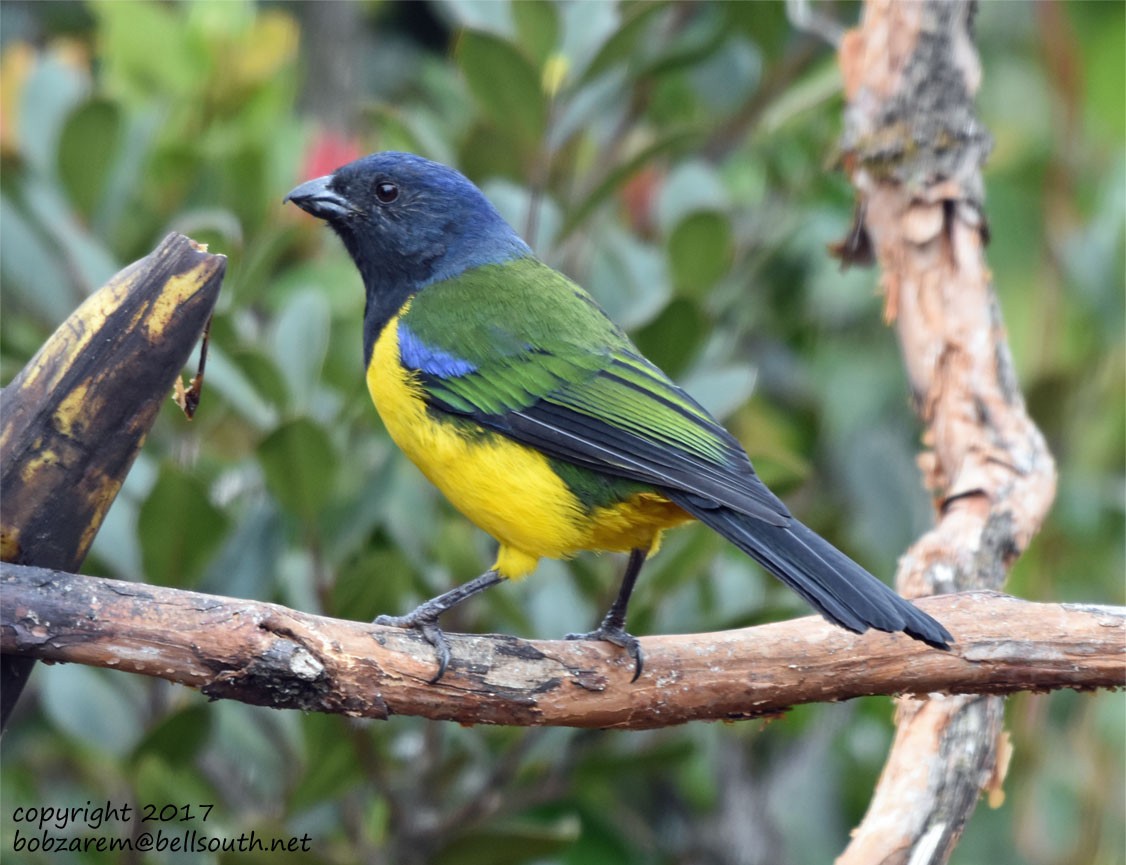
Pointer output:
x,y
832,583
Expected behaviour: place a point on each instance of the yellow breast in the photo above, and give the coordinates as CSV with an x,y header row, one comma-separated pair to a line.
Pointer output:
x,y
507,489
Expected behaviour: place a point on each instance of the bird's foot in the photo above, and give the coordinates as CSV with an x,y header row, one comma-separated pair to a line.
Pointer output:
x,y
619,636
425,622
424,618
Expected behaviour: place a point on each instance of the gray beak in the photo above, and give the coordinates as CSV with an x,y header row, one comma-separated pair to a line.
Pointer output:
x,y
316,198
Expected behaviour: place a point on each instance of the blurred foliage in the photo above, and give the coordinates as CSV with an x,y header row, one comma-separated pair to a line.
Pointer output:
x,y
671,157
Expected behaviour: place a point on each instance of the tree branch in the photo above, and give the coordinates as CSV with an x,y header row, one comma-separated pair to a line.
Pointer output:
x,y
269,655
913,147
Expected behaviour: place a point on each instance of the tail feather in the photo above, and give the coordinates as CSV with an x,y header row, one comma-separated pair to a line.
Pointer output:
x,y
831,582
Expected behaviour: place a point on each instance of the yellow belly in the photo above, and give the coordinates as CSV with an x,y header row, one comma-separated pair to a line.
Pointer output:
x,y
507,489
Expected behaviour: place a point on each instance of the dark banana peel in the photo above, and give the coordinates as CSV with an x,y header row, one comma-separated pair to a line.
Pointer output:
x,y
73,420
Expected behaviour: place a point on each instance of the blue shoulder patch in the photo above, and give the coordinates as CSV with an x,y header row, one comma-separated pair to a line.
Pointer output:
x,y
416,354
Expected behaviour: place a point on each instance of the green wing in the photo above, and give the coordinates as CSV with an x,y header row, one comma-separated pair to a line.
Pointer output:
x,y
521,350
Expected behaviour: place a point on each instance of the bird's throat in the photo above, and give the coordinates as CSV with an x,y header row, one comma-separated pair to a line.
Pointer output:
x,y
384,301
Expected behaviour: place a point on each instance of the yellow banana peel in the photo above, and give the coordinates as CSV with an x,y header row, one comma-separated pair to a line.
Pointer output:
x,y
75,417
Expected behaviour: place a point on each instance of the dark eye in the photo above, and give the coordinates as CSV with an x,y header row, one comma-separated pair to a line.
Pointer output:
x,y
386,191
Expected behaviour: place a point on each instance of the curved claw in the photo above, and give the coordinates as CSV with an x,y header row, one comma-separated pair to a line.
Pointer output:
x,y
430,631
619,637
424,617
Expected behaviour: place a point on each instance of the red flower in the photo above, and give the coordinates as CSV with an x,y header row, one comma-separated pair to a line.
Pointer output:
x,y
329,150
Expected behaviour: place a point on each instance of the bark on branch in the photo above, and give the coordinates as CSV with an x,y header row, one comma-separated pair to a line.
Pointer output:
x,y
269,655
913,147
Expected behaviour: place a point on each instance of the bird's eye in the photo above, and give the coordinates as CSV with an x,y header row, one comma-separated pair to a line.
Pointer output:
x,y
386,191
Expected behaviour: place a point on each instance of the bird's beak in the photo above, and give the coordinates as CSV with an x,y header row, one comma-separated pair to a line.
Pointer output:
x,y
316,198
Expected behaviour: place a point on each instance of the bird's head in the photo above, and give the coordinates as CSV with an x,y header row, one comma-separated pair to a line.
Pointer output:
x,y
408,222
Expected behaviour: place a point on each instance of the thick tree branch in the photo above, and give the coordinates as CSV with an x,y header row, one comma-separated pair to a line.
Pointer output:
x,y
268,655
913,147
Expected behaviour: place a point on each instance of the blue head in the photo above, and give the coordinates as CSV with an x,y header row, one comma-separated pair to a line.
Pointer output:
x,y
407,222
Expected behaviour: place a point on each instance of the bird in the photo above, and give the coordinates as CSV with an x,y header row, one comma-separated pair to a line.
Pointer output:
x,y
539,419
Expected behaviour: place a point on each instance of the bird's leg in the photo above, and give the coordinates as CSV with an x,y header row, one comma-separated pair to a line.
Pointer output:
x,y
613,627
424,617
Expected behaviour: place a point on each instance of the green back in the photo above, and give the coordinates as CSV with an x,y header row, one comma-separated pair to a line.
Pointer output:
x,y
522,350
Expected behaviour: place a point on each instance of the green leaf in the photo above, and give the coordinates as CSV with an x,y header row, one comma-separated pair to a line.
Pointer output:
x,y
621,46
668,144
699,38
179,528
331,766
489,151
97,707
211,22
693,185
144,49
395,131
229,380
726,78
179,790
31,267
263,375
88,261
86,150
178,737
301,343
512,844
255,736
772,438
504,83
723,389
481,14
672,338
355,516
300,465
217,227
514,201
372,583
247,565
53,89
628,278
537,27
700,249
1103,54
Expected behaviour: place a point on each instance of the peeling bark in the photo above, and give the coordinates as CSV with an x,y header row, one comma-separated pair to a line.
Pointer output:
x,y
268,655
913,148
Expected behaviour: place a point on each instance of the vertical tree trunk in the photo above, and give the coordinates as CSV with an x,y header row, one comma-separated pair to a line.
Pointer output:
x,y
913,147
